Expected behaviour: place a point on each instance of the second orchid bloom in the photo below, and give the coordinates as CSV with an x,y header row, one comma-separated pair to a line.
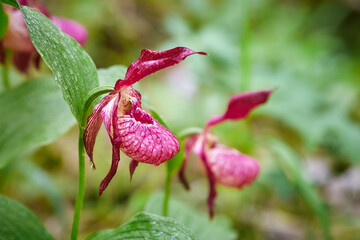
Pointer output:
x,y
224,165
130,128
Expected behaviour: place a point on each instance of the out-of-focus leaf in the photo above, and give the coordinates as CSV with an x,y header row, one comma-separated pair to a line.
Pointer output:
x,y
36,177
291,164
32,115
200,225
17,222
109,76
73,69
174,164
146,226
13,3
3,22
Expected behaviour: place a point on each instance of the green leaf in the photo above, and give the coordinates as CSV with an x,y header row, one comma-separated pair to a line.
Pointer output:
x,y
146,226
291,165
13,3
74,70
198,223
3,22
38,179
109,76
32,115
18,223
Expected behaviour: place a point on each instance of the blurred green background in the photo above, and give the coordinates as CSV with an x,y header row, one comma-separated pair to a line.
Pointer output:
x,y
306,138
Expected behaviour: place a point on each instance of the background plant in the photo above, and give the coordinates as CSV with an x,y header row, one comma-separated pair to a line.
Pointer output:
x,y
307,186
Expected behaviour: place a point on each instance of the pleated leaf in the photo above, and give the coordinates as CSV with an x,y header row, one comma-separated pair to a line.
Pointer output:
x,y
199,223
146,226
18,223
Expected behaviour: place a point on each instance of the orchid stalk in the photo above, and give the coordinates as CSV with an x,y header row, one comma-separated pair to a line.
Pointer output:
x,y
81,155
130,128
224,165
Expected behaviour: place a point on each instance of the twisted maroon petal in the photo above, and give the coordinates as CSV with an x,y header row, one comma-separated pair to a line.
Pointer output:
x,y
22,61
188,147
240,106
2,53
153,61
71,28
132,166
210,175
93,126
232,168
114,164
144,139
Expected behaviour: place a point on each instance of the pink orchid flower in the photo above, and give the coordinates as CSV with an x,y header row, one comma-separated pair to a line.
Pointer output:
x,y
224,165
130,128
17,37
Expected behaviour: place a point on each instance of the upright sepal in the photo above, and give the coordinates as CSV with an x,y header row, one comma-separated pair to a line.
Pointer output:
x,y
240,106
153,61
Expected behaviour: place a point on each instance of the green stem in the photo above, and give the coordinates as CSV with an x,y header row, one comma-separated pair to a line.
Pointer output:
x,y
190,131
96,92
245,46
167,192
81,188
81,185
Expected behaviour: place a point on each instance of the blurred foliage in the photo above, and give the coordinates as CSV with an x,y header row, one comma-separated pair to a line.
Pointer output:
x,y
199,223
307,50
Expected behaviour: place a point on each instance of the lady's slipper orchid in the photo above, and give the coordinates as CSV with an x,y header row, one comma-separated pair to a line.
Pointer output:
x,y
130,128
17,37
224,165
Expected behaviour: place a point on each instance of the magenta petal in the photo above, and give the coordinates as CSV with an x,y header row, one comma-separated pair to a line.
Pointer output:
x,y
144,139
114,164
188,147
153,61
17,37
232,168
240,106
108,114
133,165
72,28
93,126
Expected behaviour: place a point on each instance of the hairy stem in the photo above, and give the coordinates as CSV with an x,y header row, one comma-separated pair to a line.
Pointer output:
x,y
81,187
